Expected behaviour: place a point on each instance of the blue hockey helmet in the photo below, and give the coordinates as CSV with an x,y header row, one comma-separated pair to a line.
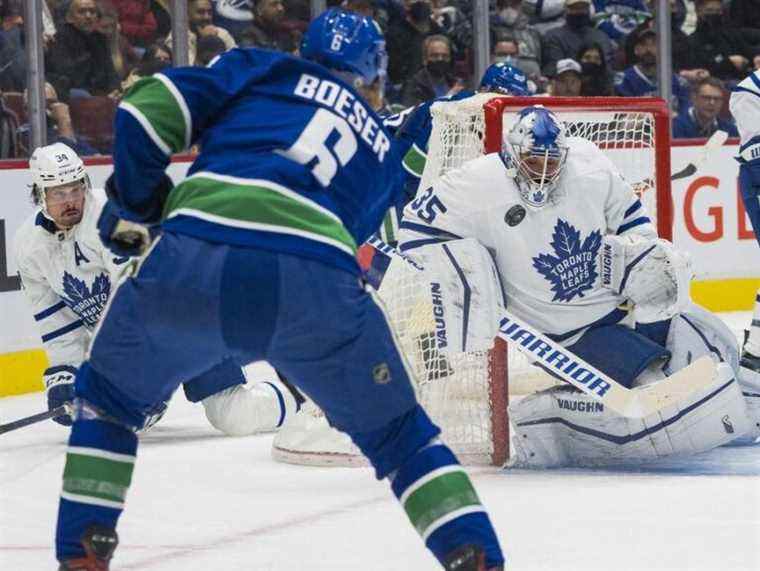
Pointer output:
x,y
346,42
504,78
535,149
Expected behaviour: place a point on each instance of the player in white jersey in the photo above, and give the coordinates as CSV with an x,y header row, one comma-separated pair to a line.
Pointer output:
x,y
745,107
68,277
580,260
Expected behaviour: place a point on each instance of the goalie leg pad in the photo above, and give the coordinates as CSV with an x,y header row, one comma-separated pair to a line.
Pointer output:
x,y
561,427
696,332
243,410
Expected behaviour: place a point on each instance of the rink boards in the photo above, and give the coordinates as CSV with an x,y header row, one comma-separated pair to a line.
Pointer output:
x,y
709,223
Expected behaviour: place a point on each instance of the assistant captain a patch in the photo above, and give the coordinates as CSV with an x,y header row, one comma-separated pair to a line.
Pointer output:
x,y
571,267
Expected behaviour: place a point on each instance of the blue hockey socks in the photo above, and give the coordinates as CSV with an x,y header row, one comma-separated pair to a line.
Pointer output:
x,y
431,485
98,472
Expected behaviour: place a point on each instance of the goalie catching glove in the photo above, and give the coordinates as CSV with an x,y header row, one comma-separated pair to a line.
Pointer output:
x,y
652,274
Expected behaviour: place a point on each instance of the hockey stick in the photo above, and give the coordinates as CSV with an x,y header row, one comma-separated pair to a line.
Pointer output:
x,y
712,144
572,369
26,421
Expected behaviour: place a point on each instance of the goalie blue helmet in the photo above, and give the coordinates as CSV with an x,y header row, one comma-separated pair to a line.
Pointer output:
x,y
347,43
535,151
504,78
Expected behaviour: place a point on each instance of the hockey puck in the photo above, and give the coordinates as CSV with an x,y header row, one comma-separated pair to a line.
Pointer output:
x,y
514,215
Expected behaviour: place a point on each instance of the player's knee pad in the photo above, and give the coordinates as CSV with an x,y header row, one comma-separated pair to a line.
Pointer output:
x,y
389,446
562,427
243,409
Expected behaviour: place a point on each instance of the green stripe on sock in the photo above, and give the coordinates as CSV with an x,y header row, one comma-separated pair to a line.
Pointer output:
x,y
415,161
97,477
161,109
256,205
438,497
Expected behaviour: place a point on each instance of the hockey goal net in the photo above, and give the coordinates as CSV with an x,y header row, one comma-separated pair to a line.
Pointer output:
x,y
467,393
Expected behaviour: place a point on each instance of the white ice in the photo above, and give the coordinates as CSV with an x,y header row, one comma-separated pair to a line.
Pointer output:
x,y
202,501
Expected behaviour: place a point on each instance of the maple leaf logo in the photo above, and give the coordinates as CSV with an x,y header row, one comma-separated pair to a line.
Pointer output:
x,y
571,269
86,302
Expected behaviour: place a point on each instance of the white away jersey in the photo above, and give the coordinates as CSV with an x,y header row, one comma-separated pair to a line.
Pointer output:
x,y
745,107
67,278
546,257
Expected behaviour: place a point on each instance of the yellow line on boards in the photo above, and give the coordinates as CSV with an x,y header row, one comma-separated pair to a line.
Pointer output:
x,y
726,295
21,372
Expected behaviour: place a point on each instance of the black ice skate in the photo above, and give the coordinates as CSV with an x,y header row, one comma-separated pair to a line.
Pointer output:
x,y
468,558
99,544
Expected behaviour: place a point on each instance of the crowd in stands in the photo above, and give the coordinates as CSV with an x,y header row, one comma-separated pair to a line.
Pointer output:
x,y
96,49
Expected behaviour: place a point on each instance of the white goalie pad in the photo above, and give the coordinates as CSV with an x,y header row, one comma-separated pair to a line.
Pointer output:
x,y
561,427
465,291
651,273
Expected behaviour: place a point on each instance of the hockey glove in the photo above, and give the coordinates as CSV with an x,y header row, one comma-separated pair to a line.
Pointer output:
x,y
59,386
149,210
122,237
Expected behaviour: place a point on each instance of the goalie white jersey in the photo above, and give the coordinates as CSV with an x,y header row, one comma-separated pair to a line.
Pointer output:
x,y
67,277
547,257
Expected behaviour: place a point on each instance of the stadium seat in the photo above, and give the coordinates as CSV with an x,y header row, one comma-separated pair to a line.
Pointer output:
x,y
15,102
92,118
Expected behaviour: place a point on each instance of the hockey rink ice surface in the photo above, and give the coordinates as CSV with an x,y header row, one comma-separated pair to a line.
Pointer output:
x,y
203,501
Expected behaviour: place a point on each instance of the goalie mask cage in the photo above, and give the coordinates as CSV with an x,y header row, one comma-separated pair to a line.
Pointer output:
x,y
467,394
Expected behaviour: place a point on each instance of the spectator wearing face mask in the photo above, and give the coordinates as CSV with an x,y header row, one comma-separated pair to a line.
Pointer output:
x,y
567,81
703,117
565,41
640,79
435,79
505,50
405,38
596,79
719,47
511,21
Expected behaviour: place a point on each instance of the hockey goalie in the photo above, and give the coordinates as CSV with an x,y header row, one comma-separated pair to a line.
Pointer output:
x,y
550,223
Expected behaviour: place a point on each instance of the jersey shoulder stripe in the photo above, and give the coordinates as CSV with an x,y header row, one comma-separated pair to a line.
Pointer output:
x,y
158,106
257,204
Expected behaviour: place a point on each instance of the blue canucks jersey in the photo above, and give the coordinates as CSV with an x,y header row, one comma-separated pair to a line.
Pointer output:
x,y
291,158
631,82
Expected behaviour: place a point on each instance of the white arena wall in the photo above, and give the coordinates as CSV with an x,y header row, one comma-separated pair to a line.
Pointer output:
x,y
709,223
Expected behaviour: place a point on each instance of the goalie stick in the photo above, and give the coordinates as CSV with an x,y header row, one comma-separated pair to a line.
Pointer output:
x,y
712,144
26,421
639,403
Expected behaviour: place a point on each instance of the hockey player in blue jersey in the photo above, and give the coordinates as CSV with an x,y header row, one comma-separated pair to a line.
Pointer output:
x,y
256,261
413,136
412,128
